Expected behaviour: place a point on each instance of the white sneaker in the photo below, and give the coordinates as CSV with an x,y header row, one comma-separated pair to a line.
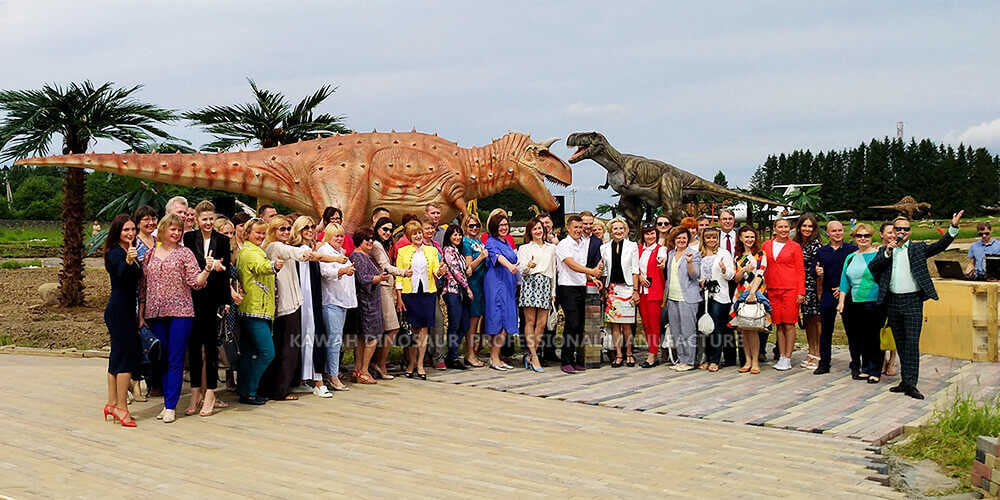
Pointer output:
x,y
162,413
783,364
322,391
302,389
169,416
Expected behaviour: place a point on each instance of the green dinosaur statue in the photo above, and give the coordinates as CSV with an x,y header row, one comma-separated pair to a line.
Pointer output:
x,y
642,180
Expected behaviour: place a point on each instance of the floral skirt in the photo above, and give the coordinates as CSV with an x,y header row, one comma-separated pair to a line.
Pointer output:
x,y
536,291
619,307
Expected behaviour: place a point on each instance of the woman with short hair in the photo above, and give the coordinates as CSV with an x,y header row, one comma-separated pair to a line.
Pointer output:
x,y
416,293
807,236
621,279
717,269
866,317
785,276
475,265
145,223
121,261
367,282
683,272
537,262
257,278
169,274
339,295
499,286
652,261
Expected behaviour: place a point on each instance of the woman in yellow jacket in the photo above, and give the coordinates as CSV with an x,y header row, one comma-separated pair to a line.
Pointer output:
x,y
417,293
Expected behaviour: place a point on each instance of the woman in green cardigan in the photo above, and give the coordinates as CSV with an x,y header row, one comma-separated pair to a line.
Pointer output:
x,y
256,273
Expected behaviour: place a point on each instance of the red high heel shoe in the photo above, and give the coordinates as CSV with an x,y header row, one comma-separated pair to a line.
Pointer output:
x,y
122,420
107,412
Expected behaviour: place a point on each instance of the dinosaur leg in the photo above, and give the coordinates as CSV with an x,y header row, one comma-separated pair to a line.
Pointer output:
x,y
671,198
631,209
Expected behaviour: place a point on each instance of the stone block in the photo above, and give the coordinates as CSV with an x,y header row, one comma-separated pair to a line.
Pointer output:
x,y
994,488
990,460
980,469
49,293
987,445
592,355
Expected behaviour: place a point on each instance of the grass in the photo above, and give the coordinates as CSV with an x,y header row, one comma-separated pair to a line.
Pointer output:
x,y
42,235
18,264
949,437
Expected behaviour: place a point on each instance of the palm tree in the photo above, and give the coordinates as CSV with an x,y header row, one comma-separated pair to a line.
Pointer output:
x,y
269,121
78,113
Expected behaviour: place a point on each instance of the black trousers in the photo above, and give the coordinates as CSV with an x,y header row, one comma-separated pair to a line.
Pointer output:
x,y
863,337
906,317
828,319
203,340
720,340
573,300
281,373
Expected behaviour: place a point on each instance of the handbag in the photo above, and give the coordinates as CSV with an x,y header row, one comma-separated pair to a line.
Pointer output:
x,y
750,316
607,341
706,324
405,336
228,334
667,345
886,341
150,345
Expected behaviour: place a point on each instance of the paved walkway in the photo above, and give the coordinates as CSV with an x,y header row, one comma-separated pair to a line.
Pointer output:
x,y
831,404
402,438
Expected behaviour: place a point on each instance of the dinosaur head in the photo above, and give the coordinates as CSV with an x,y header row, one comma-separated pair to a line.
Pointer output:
x,y
538,164
588,144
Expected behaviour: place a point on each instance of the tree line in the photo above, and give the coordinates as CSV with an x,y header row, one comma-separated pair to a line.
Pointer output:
x,y
882,171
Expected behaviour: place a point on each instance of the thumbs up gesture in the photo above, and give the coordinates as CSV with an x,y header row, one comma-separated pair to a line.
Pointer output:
x,y
209,262
132,254
688,256
819,270
278,264
531,262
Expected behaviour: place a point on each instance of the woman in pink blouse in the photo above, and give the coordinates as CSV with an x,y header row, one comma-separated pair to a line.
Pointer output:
x,y
170,272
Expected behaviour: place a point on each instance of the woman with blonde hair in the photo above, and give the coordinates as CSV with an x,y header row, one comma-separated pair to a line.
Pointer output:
x,y
621,279
257,278
866,316
280,376
416,293
601,230
313,355
785,277
339,295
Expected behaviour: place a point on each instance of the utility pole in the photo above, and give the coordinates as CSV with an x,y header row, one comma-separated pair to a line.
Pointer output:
x,y
899,130
572,198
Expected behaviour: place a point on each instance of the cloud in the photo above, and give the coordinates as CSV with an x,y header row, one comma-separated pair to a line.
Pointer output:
x,y
607,111
984,134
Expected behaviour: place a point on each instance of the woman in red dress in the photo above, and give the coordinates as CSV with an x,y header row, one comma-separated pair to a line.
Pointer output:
x,y
786,288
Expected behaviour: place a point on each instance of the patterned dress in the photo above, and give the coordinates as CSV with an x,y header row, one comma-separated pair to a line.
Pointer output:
x,y
811,304
744,284
369,295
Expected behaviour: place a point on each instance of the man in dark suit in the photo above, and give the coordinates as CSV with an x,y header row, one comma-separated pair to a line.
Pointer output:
x,y
904,283
204,241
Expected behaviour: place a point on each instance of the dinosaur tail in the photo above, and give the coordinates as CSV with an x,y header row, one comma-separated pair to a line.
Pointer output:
x,y
257,173
708,187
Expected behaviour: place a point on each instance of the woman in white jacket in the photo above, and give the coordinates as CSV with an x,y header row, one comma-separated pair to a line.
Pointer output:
x,y
339,295
621,278
717,268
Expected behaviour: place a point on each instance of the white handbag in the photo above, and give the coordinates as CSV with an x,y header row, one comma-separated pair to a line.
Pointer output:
x,y
751,316
706,324
667,345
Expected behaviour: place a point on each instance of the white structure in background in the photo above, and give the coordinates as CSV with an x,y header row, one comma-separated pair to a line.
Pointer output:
x,y
740,209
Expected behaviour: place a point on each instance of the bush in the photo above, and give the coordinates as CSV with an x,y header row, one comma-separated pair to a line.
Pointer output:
x,y
949,437
39,198
18,264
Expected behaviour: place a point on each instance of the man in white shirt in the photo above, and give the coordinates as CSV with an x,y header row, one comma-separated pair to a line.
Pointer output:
x,y
571,291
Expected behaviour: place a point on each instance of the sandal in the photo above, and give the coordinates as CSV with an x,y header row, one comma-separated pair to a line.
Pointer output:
x,y
703,366
291,397
744,369
754,371
712,367
617,363
872,380
629,361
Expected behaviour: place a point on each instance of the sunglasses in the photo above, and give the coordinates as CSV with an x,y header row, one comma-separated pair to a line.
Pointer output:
x,y
903,229
285,228
984,233
862,235
474,225
309,227
663,224
387,229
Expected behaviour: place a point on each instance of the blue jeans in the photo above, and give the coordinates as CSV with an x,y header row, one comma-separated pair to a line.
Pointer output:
x,y
173,335
334,317
720,338
257,354
458,322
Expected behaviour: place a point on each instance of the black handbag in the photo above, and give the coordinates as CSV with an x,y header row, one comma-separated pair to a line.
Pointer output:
x,y
228,334
151,349
405,336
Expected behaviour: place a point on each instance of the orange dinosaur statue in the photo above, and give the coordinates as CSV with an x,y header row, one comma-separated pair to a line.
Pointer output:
x,y
907,205
400,171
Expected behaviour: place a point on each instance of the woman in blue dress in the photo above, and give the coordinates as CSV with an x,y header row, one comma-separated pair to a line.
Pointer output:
x,y
499,288
475,255
122,263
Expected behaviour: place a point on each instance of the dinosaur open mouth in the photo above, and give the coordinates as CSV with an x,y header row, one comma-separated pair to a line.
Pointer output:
x,y
554,180
578,154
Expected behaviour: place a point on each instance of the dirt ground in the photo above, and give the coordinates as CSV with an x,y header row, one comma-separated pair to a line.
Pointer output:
x,y
23,324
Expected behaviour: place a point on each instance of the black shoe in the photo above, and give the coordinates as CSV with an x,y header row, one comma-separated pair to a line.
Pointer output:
x,y
647,364
858,376
913,393
899,388
822,370
256,401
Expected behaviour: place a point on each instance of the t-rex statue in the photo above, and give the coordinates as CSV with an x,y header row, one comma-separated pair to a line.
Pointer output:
x,y
907,205
400,171
639,179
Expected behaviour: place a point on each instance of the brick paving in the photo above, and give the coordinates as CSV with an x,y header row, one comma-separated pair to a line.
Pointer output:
x,y
832,404
400,438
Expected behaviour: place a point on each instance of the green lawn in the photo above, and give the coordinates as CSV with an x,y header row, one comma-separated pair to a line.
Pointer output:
x,y
41,235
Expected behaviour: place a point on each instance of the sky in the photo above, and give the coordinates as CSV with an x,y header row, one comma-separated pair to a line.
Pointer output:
x,y
706,86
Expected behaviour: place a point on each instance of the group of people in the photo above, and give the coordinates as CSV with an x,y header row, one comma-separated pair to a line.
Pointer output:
x,y
298,287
